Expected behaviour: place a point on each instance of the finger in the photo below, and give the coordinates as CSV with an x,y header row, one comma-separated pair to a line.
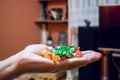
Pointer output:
x,y
49,48
91,52
78,60
64,64
35,48
72,63
87,52
87,58
93,56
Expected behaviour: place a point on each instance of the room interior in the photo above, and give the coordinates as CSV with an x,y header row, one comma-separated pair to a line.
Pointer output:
x,y
90,24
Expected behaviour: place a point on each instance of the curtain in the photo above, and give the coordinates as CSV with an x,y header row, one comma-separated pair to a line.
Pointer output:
x,y
81,10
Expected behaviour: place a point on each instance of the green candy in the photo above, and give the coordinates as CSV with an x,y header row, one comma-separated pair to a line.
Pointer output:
x,y
64,51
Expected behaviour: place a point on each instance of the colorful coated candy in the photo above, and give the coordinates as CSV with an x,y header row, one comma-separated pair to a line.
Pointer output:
x,y
62,52
78,53
50,55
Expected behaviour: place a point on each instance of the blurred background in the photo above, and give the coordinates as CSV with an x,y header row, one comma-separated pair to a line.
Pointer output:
x,y
90,24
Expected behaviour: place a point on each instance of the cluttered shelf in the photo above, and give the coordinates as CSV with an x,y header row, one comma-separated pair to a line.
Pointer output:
x,y
53,16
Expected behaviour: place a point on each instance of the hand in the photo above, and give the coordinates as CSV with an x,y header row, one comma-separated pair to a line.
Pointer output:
x,y
29,60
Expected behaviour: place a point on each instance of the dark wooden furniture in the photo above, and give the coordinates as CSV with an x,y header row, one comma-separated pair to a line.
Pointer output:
x,y
88,40
105,61
109,39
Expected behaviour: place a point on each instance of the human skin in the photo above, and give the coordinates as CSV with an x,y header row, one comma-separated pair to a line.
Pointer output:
x,y
29,60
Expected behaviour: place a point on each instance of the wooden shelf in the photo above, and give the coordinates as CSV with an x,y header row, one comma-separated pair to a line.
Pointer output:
x,y
46,24
51,21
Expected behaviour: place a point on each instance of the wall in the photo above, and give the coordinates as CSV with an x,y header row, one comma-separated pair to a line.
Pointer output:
x,y
81,10
17,25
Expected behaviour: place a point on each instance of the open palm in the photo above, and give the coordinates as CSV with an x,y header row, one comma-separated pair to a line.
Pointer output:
x,y
30,60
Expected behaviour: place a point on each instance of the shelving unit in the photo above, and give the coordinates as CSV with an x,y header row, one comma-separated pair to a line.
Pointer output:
x,y
51,21
56,26
46,23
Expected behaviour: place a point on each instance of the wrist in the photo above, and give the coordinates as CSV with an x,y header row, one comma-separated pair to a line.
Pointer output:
x,y
8,69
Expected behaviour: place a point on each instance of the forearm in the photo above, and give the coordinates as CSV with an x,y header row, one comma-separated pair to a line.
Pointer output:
x,y
8,68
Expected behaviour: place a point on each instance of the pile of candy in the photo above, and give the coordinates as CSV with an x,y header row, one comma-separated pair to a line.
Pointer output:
x,y
62,52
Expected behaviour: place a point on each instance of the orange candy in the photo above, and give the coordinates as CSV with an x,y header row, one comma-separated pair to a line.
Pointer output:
x,y
56,58
50,55
78,53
